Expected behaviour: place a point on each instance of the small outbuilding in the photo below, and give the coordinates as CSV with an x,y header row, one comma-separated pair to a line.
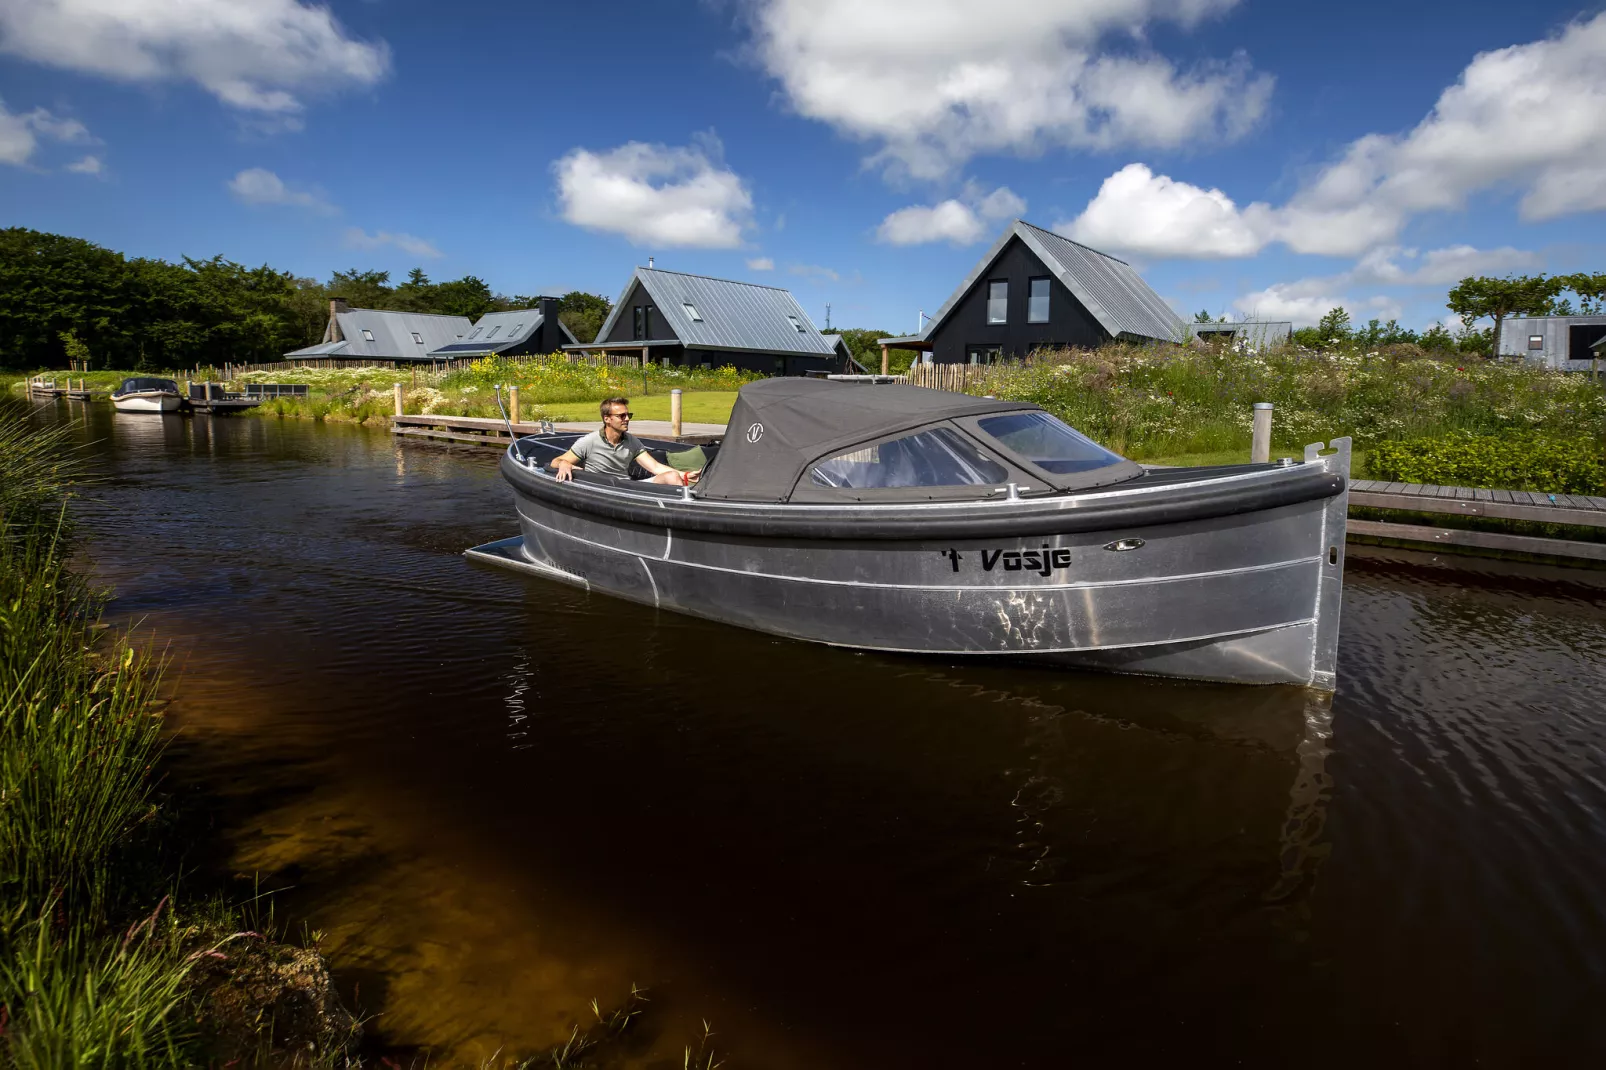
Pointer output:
x,y
520,332
1563,342
1035,289
689,320
379,334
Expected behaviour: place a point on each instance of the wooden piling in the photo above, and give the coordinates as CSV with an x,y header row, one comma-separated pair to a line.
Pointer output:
x,y
513,403
1260,444
398,399
674,413
885,361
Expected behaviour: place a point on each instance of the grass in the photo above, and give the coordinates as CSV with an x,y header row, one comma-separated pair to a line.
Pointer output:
x,y
702,407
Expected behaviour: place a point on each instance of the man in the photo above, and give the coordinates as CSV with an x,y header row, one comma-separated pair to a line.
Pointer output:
x,y
608,452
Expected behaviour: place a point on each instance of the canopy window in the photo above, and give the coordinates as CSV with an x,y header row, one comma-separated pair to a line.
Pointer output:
x,y
1047,443
935,457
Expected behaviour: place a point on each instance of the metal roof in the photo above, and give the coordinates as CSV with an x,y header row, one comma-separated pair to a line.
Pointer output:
x,y
732,315
324,349
511,329
1114,293
1258,333
392,334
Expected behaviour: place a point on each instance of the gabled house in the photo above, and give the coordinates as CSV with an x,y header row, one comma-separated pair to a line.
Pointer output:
x,y
521,332
1035,289
688,320
378,334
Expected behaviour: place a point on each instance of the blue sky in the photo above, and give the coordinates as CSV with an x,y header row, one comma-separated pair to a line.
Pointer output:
x,y
1251,158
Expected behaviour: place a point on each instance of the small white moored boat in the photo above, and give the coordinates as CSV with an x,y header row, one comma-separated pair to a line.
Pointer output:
x,y
147,394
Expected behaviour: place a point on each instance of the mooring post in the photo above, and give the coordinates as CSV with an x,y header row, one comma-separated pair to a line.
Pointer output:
x,y
674,413
398,399
1260,445
513,403
885,363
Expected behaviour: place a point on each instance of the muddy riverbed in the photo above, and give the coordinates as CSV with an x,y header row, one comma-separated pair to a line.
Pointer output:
x,y
497,798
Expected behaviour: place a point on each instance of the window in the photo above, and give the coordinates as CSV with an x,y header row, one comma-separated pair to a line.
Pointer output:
x,y
691,310
796,325
517,327
492,335
1536,341
636,330
642,326
1047,443
367,334
984,354
418,338
937,457
998,301
475,333
1037,300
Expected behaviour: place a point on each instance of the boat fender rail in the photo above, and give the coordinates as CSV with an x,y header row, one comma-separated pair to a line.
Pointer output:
x,y
1098,511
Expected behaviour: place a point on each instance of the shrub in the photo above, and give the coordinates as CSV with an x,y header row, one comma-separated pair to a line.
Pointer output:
x,y
1553,464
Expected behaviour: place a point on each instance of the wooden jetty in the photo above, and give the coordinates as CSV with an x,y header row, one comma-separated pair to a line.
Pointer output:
x,y
49,388
491,431
1574,510
215,399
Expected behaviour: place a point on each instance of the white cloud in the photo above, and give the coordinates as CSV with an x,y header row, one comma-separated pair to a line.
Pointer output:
x,y
258,186
964,220
357,238
1139,211
1306,301
934,85
1530,117
89,165
761,263
255,55
656,194
19,134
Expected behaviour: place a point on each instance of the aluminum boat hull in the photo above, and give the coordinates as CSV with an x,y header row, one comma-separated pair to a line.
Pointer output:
x,y
1248,596
147,401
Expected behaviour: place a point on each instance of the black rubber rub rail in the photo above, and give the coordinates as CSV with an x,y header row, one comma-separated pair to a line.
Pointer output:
x,y
1034,516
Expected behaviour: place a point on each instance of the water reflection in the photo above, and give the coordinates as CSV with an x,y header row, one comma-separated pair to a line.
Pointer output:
x,y
501,798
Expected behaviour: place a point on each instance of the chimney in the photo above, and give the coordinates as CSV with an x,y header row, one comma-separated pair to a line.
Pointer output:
x,y
332,332
649,261
551,334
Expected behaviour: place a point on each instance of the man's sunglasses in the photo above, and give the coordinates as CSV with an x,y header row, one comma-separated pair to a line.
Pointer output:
x,y
623,415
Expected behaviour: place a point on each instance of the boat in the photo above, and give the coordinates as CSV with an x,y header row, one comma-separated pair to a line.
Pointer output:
x,y
903,519
147,394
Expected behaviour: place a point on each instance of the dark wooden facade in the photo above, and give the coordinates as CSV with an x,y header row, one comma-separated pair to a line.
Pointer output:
x,y
964,332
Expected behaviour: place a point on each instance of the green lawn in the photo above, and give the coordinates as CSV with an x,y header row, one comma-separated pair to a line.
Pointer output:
x,y
1186,460
702,407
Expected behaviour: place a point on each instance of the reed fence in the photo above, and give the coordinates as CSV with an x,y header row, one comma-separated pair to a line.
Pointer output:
x,y
959,378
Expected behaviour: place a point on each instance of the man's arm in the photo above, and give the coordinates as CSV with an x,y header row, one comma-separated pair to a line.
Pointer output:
x,y
653,464
564,463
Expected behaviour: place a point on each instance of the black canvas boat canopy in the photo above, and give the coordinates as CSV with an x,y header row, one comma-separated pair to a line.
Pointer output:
x,y
145,384
780,427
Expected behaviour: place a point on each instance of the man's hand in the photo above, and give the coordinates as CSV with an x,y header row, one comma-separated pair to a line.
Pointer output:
x,y
565,470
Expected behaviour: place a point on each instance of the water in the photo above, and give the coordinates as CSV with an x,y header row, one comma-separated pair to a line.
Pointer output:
x,y
497,798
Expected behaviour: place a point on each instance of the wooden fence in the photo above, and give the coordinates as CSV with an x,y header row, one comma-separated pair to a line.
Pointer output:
x,y
959,378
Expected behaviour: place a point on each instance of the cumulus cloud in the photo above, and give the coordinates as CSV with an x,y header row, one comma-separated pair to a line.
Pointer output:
x,y
964,220
357,238
656,194
814,271
1306,301
255,55
20,134
89,165
931,87
761,263
1530,117
259,186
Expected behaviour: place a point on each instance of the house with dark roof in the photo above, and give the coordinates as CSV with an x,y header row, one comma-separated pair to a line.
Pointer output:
x,y
688,320
521,332
379,334
1035,289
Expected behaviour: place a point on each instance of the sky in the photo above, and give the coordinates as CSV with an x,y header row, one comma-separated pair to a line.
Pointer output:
x,y
1252,159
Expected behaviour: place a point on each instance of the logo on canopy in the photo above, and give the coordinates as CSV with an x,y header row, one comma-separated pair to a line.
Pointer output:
x,y
755,432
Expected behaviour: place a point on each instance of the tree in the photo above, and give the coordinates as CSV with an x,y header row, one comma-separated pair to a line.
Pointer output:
x,y
467,296
361,289
1335,326
1476,297
1591,291
1202,316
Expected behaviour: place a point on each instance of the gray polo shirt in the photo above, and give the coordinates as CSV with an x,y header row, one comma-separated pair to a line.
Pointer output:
x,y
599,458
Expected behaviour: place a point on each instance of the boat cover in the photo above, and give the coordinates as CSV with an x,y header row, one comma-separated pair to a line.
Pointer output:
x,y
781,426
147,384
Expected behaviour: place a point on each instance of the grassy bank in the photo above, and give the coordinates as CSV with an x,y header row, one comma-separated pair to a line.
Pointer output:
x,y
98,967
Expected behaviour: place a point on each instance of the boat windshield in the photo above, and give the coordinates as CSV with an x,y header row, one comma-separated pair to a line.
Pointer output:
x,y
936,457
144,384
1047,442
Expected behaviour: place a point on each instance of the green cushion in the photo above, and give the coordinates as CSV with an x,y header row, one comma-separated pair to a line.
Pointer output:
x,y
691,460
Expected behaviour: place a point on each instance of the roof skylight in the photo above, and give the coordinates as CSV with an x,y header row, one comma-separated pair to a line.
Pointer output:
x,y
418,338
691,310
367,334
796,324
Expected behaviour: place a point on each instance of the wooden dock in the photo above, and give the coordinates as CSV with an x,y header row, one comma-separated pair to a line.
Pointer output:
x,y
44,389
1574,510
491,431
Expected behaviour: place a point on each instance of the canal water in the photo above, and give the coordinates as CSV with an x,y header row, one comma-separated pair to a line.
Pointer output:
x,y
494,798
